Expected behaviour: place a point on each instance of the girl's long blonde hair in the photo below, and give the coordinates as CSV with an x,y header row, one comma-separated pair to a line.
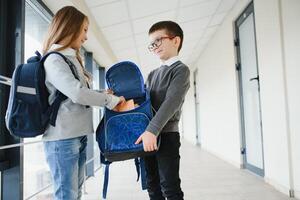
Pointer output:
x,y
67,22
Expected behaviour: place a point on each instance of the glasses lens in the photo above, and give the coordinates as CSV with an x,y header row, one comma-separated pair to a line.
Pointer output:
x,y
151,46
155,44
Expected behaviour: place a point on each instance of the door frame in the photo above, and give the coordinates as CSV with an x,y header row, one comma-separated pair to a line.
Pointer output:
x,y
242,17
197,117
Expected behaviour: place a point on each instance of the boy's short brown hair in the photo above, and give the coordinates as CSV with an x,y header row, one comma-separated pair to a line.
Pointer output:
x,y
172,29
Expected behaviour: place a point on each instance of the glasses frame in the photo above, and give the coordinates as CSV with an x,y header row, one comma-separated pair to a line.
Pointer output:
x,y
157,43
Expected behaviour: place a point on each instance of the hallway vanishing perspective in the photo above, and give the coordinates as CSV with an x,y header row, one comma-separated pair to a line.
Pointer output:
x,y
241,109
204,177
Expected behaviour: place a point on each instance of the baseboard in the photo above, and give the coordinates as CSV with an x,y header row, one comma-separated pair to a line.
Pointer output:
x,y
281,188
297,194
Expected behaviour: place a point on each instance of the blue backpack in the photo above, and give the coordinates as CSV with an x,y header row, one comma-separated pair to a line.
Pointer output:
x,y
118,131
29,113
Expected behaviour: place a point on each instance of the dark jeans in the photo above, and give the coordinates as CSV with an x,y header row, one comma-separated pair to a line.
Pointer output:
x,y
162,169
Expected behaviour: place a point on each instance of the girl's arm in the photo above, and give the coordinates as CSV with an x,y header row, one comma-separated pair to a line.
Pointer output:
x,y
59,74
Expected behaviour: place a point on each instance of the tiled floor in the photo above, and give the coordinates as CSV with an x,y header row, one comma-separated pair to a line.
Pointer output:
x,y
204,177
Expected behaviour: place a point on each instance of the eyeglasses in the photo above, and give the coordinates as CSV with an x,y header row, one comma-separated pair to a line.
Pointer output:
x,y
156,43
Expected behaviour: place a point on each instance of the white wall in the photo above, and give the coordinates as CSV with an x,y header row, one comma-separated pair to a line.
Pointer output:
x,y
218,93
291,41
273,97
188,114
278,43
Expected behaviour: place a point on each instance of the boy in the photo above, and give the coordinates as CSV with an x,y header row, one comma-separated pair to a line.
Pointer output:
x,y
168,85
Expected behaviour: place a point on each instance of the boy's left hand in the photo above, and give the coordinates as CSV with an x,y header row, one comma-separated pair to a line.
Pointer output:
x,y
149,141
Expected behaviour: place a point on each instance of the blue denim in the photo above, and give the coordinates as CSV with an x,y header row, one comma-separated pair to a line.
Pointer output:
x,y
66,160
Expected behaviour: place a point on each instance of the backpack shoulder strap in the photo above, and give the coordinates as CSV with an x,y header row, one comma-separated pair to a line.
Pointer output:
x,y
141,172
71,65
140,168
59,97
105,182
106,164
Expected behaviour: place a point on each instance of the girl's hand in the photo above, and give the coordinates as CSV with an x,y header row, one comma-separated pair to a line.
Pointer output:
x,y
109,91
121,101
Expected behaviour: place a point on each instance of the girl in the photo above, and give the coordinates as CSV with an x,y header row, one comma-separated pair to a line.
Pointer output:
x,y
65,144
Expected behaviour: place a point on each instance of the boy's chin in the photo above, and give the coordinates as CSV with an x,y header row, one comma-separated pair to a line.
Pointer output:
x,y
162,56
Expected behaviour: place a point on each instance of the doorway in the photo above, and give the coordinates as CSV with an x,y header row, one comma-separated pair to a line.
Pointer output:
x,y
249,89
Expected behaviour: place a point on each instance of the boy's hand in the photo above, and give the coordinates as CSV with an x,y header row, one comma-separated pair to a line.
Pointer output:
x,y
149,141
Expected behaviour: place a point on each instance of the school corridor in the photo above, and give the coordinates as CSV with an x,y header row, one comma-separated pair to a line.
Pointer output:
x,y
239,126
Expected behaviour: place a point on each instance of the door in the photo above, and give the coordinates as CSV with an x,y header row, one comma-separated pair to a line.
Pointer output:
x,y
252,148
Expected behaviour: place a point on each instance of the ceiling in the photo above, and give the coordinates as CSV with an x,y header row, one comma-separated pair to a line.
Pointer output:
x,y
119,28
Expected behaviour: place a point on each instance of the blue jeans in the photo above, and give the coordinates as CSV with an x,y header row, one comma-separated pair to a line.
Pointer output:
x,y
66,159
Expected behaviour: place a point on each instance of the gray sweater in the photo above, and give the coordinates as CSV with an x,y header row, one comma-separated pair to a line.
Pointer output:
x,y
168,86
74,119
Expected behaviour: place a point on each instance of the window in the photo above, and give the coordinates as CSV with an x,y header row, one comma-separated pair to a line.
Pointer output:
x,y
97,114
37,178
36,173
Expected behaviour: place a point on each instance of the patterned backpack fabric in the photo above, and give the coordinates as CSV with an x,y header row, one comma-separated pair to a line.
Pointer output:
x,y
118,131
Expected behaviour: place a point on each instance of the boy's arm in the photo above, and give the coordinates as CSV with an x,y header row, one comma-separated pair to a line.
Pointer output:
x,y
176,92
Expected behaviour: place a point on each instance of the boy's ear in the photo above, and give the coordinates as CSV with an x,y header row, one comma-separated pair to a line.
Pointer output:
x,y
177,40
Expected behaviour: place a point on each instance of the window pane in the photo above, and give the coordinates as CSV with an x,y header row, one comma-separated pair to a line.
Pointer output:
x,y
96,115
36,172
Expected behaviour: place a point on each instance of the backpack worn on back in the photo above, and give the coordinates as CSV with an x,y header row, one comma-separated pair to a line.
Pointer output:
x,y
118,131
29,113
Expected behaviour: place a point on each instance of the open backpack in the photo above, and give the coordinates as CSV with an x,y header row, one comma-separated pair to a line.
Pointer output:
x,y
118,131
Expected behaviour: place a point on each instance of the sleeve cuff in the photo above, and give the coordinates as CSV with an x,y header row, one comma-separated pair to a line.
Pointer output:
x,y
153,129
112,101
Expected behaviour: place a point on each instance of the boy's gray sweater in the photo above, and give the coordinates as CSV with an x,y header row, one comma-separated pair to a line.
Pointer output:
x,y
168,86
